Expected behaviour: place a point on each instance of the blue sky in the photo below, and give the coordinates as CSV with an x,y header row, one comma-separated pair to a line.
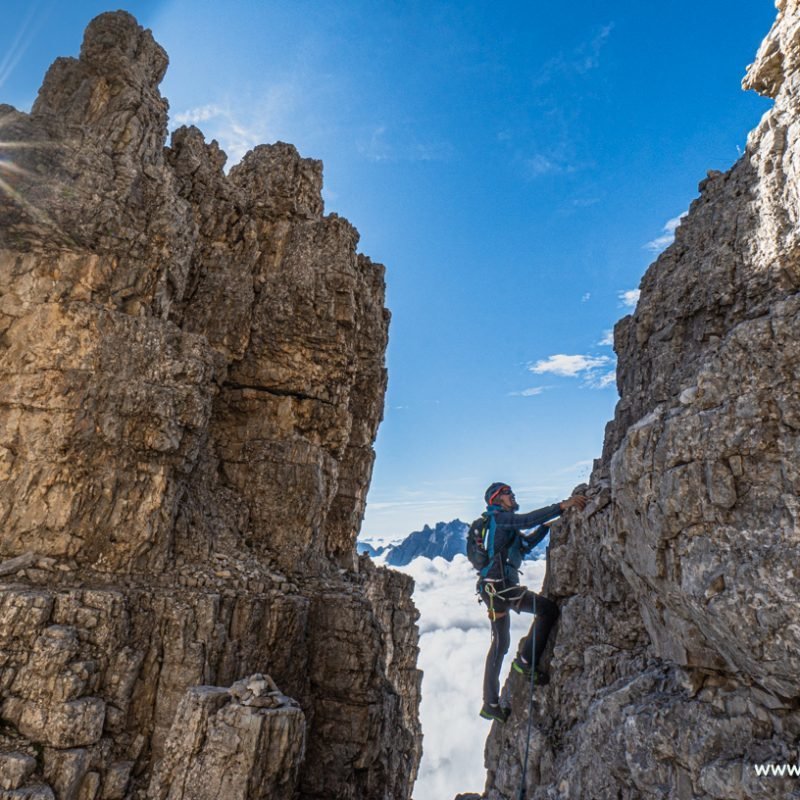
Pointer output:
x,y
516,166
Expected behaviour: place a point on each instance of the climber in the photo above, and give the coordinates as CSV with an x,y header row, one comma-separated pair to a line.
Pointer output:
x,y
500,531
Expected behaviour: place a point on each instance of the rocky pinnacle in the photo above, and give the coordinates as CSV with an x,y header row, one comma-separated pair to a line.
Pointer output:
x,y
191,380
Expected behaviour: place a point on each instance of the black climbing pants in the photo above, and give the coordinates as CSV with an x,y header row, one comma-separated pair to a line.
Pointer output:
x,y
499,603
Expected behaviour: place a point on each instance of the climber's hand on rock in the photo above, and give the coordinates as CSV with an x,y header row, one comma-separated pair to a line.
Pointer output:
x,y
576,501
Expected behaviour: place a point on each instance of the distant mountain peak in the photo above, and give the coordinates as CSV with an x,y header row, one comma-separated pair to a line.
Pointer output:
x,y
444,540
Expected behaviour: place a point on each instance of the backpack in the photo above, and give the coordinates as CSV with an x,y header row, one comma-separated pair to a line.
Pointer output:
x,y
477,553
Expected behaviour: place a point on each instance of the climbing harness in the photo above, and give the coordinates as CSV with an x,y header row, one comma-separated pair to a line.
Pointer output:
x,y
491,593
530,711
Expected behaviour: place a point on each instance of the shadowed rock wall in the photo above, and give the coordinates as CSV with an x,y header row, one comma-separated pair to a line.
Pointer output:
x,y
191,380
676,664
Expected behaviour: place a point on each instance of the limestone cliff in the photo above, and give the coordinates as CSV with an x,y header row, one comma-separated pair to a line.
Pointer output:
x,y
191,379
676,664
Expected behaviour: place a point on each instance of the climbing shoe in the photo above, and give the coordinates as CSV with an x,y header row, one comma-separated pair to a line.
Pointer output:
x,y
519,664
495,712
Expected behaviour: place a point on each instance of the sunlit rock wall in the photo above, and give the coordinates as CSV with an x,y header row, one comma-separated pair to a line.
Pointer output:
x,y
676,663
191,380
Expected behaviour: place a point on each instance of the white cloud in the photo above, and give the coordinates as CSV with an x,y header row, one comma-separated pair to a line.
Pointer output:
x,y
608,338
630,297
429,151
541,165
581,60
375,148
569,366
597,372
385,144
234,136
668,234
586,297
532,392
672,224
283,107
588,57
603,381
660,242
557,154
199,114
453,643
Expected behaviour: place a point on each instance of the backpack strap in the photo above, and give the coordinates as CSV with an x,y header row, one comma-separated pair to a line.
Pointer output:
x,y
488,541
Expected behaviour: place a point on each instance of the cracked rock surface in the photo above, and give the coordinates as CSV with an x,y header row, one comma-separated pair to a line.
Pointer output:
x,y
675,667
191,380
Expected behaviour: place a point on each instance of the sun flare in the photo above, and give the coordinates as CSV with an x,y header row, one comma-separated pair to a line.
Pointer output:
x,y
14,177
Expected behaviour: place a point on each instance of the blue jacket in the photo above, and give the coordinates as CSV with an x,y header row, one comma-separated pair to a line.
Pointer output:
x,y
506,543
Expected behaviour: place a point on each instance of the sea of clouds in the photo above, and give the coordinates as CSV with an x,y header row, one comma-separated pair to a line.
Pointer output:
x,y
454,640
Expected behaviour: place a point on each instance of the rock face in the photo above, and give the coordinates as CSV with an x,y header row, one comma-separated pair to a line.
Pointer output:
x,y
676,662
191,379
253,724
